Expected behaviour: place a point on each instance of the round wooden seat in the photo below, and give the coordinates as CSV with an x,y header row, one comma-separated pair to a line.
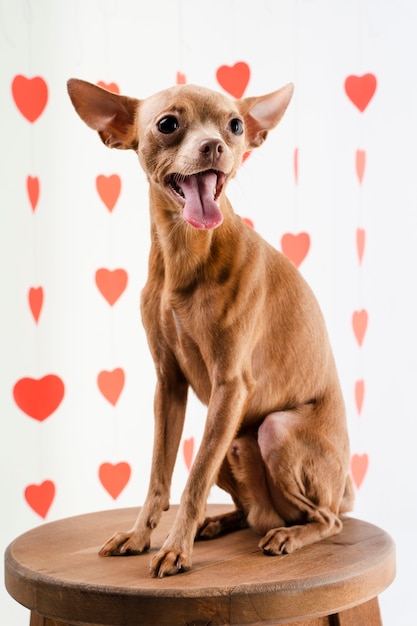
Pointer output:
x,y
56,572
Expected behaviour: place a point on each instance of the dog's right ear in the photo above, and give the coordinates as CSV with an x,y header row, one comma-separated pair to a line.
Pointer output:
x,y
114,117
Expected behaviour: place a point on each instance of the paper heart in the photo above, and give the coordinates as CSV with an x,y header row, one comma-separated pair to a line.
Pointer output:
x,y
360,243
111,283
295,162
109,86
234,79
40,497
295,247
39,398
32,186
35,298
359,394
188,451
360,90
360,161
114,478
111,384
108,188
30,96
181,79
248,221
360,323
246,155
359,466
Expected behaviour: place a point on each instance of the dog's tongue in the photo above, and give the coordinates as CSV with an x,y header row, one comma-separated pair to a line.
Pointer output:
x,y
200,209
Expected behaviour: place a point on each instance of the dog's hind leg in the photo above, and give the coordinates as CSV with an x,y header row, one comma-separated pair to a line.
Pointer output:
x,y
306,479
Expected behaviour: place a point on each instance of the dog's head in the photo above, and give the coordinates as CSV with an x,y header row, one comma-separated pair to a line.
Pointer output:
x,y
190,140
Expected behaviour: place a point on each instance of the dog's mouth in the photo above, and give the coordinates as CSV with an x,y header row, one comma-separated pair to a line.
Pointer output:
x,y
199,195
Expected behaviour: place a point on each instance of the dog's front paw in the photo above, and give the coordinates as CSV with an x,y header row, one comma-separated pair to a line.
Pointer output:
x,y
279,541
125,544
169,562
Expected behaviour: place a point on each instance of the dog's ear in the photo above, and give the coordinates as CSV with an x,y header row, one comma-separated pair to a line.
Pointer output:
x,y
263,113
114,117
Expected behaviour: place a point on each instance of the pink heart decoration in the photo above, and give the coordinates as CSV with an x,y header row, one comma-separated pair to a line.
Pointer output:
x,y
359,466
30,96
39,398
295,247
40,497
360,90
109,86
188,450
181,79
295,161
248,221
360,162
35,297
360,323
359,394
111,283
114,478
108,188
360,243
234,79
32,186
111,384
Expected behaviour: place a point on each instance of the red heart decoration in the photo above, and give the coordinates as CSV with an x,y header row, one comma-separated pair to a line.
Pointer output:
x,y
109,86
188,450
295,162
360,243
360,323
111,283
359,466
35,297
114,478
32,185
246,155
39,398
30,96
234,79
359,394
360,162
295,247
40,497
108,188
111,384
360,90
248,221
181,78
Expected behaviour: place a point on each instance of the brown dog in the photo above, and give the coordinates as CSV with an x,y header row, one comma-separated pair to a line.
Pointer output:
x,y
227,314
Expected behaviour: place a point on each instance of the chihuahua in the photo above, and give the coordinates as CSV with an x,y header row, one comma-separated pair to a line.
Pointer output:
x,y
230,316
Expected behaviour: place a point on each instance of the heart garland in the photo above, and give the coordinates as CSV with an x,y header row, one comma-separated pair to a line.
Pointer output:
x,y
30,96
40,497
108,188
39,398
111,384
234,79
111,283
114,478
295,247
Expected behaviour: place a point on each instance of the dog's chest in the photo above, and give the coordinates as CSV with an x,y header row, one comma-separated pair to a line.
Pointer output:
x,y
189,357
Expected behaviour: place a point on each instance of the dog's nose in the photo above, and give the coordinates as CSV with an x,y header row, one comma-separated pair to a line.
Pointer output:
x,y
212,147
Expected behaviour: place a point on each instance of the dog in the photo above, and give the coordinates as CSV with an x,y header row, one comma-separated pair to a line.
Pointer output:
x,y
230,316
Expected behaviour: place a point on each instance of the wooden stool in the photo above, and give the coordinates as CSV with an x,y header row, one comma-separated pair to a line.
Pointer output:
x,y
55,571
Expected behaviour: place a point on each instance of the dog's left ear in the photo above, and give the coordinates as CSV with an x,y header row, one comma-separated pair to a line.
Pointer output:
x,y
263,113
114,117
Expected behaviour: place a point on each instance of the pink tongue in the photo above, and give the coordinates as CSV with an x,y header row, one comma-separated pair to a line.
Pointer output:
x,y
200,210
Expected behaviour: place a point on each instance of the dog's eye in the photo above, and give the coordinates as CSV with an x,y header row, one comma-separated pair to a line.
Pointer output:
x,y
236,126
168,125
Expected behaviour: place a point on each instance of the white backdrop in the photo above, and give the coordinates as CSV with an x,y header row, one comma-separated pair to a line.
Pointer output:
x,y
334,187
